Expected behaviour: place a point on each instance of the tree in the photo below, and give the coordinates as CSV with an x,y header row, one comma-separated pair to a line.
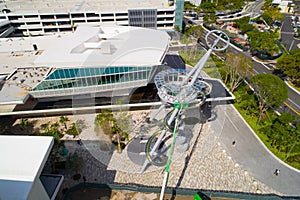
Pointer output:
x,y
267,4
49,129
111,125
208,7
270,90
290,65
188,6
63,120
236,68
177,28
271,14
26,125
54,157
243,24
122,121
210,18
281,135
229,4
74,129
196,31
263,42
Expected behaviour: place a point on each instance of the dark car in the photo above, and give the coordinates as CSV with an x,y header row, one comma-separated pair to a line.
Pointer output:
x,y
276,24
280,74
6,10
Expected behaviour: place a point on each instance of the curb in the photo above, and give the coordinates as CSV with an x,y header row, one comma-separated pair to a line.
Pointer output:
x,y
292,88
254,59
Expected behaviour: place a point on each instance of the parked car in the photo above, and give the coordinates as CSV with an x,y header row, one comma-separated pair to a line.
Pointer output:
x,y
276,24
294,18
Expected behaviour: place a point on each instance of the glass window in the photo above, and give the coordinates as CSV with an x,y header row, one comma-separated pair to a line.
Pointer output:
x,y
93,72
72,72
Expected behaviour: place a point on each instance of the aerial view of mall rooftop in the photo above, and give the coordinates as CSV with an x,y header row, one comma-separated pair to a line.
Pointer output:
x,y
92,59
185,140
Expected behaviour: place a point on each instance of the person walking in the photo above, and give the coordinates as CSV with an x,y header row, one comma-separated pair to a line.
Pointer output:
x,y
277,171
233,143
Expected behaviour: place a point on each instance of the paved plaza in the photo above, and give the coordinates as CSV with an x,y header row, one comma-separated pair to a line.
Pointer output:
x,y
205,165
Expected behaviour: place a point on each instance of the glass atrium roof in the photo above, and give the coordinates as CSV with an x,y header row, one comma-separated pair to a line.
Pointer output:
x,y
66,78
85,72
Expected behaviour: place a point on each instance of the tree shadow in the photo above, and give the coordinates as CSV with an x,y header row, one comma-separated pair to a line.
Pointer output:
x,y
8,126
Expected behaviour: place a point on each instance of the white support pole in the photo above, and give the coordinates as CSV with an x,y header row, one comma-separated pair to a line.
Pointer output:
x,y
201,65
185,80
173,116
154,114
165,181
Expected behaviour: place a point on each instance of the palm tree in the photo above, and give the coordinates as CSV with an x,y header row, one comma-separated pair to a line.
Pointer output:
x,y
115,126
46,127
25,124
74,129
63,120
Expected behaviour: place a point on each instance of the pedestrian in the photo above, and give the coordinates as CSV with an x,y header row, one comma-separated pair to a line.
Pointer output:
x,y
233,143
277,171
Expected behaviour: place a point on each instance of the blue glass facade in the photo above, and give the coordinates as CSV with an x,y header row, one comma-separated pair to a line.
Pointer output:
x,y
179,13
99,78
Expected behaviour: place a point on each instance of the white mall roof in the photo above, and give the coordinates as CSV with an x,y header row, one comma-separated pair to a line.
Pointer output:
x,y
22,160
107,45
50,6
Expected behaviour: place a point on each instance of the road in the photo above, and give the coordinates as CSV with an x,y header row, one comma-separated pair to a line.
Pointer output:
x,y
254,8
287,34
254,157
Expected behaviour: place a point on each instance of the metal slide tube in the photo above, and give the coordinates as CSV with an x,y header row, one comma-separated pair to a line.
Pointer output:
x,y
157,143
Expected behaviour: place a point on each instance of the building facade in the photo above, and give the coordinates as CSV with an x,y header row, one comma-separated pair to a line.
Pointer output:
x,y
40,18
102,61
98,81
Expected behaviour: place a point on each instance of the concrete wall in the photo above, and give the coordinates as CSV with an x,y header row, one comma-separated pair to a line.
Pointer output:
x,y
38,191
